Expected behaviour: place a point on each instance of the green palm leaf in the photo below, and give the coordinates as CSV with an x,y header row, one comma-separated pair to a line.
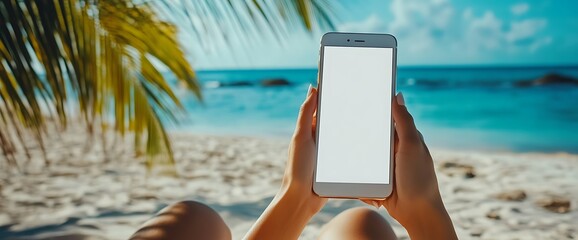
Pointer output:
x,y
99,54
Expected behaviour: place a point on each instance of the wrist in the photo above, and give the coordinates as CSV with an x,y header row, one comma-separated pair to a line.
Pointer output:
x,y
297,200
420,211
286,207
426,219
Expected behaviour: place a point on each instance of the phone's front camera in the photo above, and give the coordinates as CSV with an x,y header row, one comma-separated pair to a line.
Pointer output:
x,y
348,40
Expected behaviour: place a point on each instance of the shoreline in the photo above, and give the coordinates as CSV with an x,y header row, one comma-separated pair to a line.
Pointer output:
x,y
287,139
489,195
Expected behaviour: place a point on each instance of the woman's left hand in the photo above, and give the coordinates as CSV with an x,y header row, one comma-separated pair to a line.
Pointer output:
x,y
298,177
295,204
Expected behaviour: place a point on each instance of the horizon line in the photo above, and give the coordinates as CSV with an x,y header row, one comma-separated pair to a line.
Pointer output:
x,y
448,66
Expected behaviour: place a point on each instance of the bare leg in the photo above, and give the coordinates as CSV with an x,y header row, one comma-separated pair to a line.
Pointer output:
x,y
357,223
185,220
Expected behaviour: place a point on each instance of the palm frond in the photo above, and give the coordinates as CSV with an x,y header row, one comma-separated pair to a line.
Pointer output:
x,y
230,21
99,55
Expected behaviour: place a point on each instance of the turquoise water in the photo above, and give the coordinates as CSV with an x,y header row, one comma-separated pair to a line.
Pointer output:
x,y
456,108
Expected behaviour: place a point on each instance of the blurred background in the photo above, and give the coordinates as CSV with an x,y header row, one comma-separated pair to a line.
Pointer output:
x,y
112,109
470,73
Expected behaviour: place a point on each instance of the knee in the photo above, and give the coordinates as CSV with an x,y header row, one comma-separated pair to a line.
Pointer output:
x,y
358,223
366,220
189,208
193,212
357,218
363,215
182,219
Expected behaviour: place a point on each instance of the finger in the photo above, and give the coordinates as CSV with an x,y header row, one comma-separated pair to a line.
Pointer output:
x,y
422,139
396,143
423,142
404,124
306,113
420,136
314,125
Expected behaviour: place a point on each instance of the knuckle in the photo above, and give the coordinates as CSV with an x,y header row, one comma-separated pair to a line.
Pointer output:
x,y
421,136
410,118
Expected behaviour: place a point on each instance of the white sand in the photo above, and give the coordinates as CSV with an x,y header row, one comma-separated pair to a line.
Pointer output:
x,y
85,195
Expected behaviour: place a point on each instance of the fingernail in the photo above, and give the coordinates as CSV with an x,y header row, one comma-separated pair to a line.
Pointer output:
x,y
399,99
309,89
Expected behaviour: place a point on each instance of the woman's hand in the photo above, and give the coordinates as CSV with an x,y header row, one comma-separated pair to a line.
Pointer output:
x,y
415,201
295,203
415,181
298,177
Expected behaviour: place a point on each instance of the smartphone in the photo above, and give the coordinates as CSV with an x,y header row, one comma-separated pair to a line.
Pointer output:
x,y
355,133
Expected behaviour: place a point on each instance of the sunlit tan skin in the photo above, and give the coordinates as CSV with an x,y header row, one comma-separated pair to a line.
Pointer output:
x,y
415,202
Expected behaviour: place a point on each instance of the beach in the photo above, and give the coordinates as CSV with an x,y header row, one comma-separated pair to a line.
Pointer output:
x,y
212,90
88,193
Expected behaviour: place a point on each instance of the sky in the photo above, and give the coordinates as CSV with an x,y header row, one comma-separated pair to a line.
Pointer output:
x,y
429,32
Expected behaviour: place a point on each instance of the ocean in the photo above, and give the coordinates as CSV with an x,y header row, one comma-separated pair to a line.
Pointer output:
x,y
463,108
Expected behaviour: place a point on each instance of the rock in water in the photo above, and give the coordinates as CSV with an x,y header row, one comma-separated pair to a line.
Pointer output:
x,y
275,82
217,84
548,79
236,84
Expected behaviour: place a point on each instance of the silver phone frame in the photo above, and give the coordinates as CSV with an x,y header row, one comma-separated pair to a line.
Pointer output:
x,y
355,190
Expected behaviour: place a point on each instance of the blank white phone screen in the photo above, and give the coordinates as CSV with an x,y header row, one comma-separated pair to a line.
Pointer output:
x,y
354,141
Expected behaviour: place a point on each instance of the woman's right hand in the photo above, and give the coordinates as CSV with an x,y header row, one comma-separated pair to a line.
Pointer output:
x,y
415,201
